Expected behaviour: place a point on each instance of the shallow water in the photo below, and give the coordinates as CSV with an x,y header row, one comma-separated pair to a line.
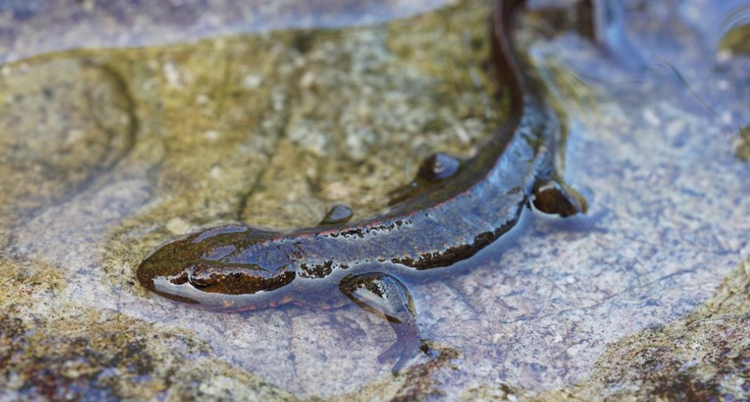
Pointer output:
x,y
109,153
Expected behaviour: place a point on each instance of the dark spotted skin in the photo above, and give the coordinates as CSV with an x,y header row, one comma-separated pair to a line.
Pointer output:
x,y
465,206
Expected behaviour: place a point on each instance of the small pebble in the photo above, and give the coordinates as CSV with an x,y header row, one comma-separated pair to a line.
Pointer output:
x,y
178,226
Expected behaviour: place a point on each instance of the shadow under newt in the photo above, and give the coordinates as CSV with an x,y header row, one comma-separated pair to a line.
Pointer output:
x,y
458,208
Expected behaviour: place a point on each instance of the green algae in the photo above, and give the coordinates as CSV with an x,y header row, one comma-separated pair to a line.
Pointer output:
x,y
233,113
743,145
735,40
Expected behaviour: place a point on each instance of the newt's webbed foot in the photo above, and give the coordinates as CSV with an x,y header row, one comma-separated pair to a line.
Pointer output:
x,y
557,198
438,166
337,215
386,296
404,350
434,169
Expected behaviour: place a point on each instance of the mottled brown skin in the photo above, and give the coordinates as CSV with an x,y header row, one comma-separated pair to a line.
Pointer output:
x,y
456,208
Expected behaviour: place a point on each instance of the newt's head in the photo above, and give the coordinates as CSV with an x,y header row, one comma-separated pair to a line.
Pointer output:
x,y
214,268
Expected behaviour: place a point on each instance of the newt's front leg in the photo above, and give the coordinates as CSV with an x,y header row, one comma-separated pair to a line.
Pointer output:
x,y
385,296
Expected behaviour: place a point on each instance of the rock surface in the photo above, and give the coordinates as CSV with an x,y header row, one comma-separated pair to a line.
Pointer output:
x,y
106,154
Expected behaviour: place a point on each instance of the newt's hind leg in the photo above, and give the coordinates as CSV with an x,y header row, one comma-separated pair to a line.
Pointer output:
x,y
386,296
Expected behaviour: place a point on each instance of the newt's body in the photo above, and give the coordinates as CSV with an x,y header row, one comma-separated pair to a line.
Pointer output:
x,y
468,206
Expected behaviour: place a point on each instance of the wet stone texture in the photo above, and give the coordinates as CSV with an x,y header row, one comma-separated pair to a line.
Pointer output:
x,y
106,154
63,123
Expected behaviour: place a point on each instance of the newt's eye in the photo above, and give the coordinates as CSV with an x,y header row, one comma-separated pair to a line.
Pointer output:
x,y
180,279
203,277
166,264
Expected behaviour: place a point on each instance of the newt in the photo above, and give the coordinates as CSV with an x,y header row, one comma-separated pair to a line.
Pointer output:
x,y
457,208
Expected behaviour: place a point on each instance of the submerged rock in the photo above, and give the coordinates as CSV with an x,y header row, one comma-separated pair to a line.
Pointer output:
x,y
642,298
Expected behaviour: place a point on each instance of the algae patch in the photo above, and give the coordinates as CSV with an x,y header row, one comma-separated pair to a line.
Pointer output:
x,y
743,145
